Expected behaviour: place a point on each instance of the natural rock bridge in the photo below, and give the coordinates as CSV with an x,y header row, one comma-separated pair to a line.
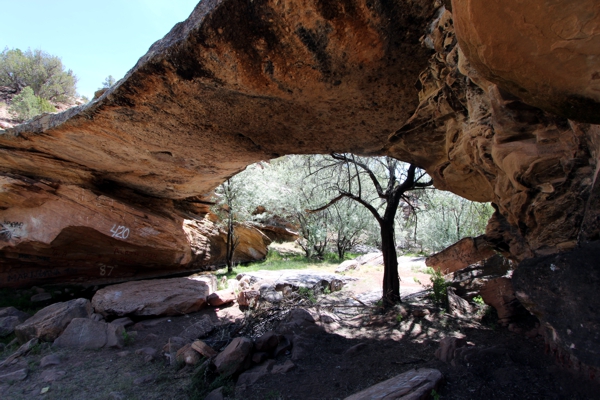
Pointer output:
x,y
504,110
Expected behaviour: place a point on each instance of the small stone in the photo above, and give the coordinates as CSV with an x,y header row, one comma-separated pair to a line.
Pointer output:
x,y
420,312
123,353
38,289
45,390
221,297
235,358
357,348
151,336
18,375
267,343
284,346
37,298
51,359
447,348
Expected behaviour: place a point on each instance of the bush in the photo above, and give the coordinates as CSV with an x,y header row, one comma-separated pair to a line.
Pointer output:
x,y
27,105
42,72
439,287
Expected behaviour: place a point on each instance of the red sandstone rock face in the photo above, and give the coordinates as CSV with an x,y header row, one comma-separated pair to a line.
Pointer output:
x,y
544,52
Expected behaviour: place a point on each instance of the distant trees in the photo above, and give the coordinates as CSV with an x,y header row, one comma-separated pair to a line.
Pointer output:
x,y
108,82
42,72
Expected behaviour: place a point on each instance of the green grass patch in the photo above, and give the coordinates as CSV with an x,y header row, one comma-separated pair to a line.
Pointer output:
x,y
276,262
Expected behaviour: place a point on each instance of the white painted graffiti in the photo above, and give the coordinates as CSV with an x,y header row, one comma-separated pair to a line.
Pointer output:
x,y
11,230
119,232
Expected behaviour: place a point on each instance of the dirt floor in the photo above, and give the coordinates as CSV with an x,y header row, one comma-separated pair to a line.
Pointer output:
x,y
356,346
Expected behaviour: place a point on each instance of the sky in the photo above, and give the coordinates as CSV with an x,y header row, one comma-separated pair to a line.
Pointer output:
x,y
93,38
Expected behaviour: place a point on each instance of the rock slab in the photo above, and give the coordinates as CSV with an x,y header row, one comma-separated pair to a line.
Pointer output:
x,y
86,333
236,357
48,323
156,297
413,385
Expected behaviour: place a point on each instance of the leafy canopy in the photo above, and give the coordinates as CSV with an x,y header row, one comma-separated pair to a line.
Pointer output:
x,y
42,72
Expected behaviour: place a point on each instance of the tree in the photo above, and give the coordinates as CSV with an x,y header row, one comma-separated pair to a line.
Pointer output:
x,y
42,72
108,82
228,193
347,175
27,105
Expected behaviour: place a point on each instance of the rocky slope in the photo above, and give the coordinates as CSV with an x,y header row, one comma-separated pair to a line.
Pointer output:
x,y
120,184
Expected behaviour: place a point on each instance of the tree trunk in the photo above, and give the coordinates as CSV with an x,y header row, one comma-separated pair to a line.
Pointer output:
x,y
391,279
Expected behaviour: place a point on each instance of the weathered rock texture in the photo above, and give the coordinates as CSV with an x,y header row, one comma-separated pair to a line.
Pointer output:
x,y
544,52
156,297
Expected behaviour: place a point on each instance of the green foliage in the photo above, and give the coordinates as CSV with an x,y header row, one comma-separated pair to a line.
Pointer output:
x,y
27,105
439,287
399,318
108,82
127,338
308,294
435,395
445,218
42,72
478,300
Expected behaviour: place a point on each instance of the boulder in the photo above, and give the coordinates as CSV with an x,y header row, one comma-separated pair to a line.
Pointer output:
x,y
468,281
373,259
48,323
460,255
41,297
499,293
209,279
248,298
236,357
50,359
347,266
562,291
14,376
221,297
85,333
198,328
311,279
10,317
267,343
411,385
173,296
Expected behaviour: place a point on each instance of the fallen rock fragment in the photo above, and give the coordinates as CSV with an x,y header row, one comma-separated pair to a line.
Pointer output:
x,y
248,298
40,297
187,355
347,266
48,323
411,385
10,317
203,349
235,358
156,297
52,375
457,305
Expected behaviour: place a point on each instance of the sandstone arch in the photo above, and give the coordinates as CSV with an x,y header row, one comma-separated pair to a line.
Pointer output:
x,y
242,81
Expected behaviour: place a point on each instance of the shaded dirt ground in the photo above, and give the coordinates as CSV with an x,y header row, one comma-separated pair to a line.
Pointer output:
x,y
358,346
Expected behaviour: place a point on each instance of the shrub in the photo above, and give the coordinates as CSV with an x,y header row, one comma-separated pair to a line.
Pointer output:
x,y
439,287
27,105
